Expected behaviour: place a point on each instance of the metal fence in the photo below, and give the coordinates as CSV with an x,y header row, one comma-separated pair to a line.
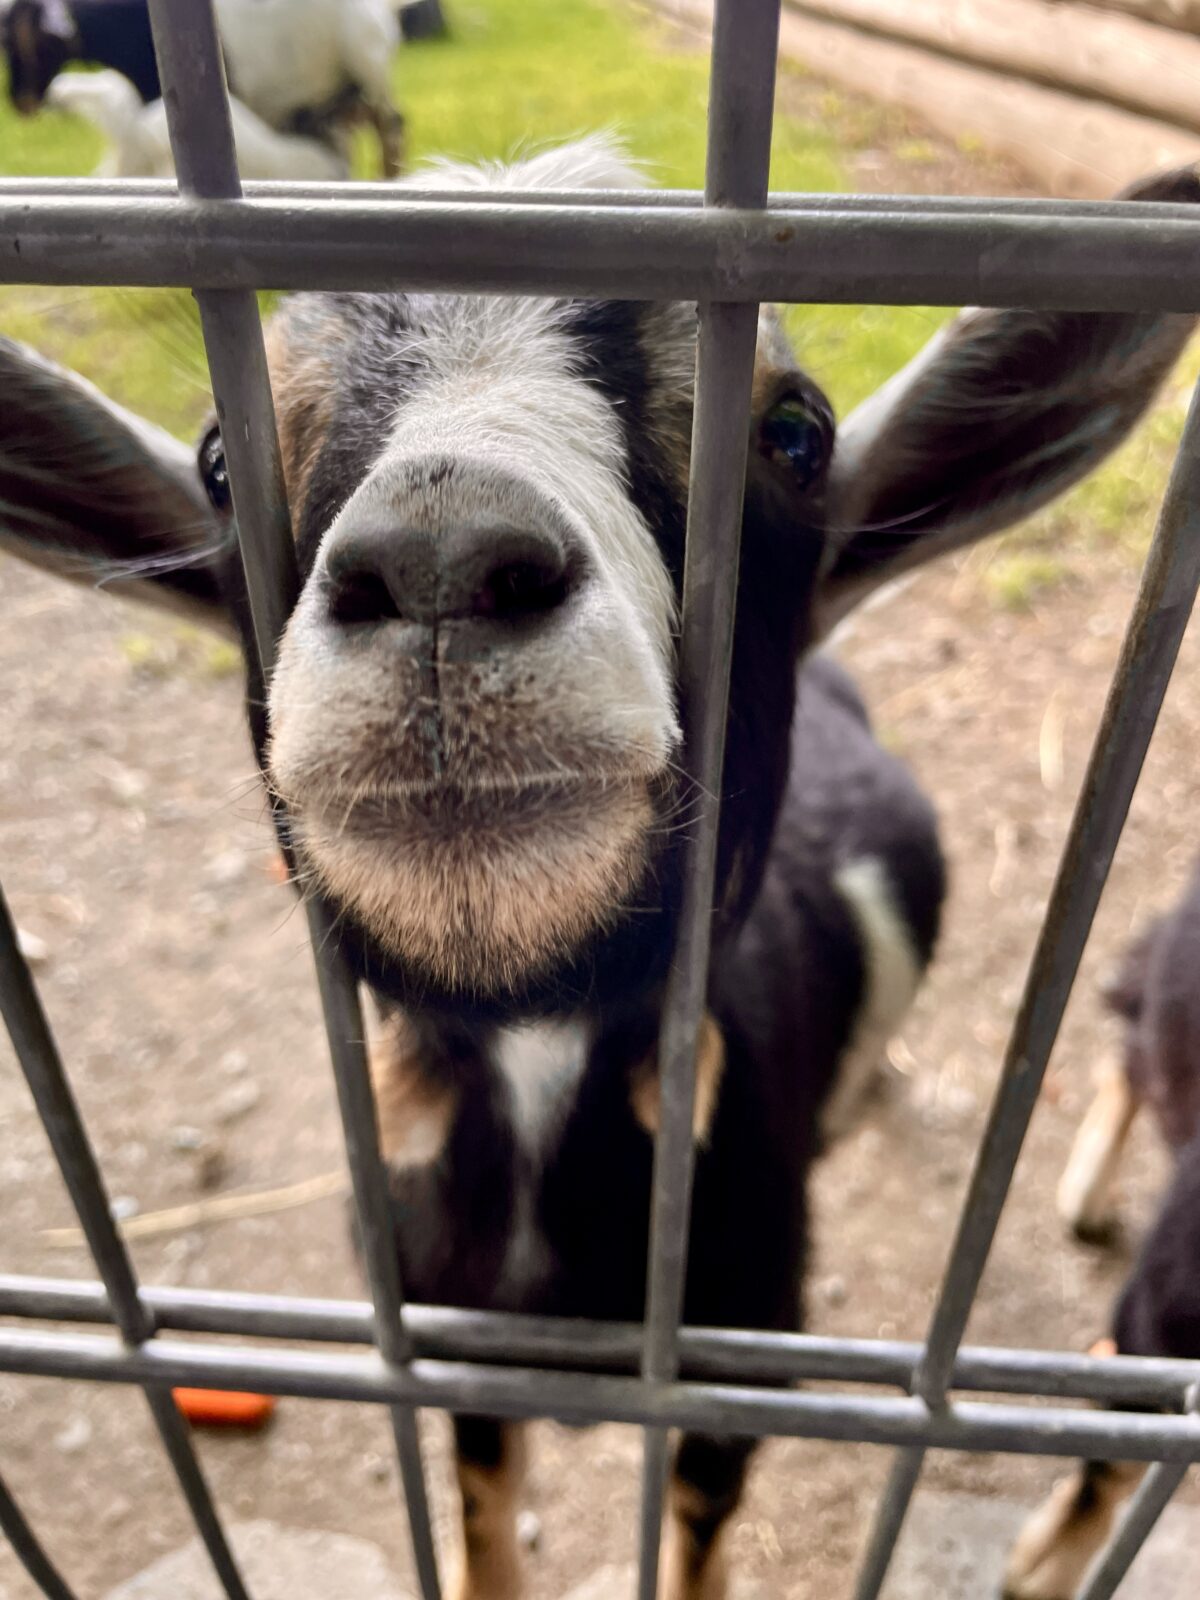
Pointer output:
x,y
729,249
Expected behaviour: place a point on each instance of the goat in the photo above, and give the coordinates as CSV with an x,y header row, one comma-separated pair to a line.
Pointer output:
x,y
140,141
305,67
472,733
40,37
1158,1313
1159,1067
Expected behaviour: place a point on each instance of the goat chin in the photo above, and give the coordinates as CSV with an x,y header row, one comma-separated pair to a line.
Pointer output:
x,y
141,144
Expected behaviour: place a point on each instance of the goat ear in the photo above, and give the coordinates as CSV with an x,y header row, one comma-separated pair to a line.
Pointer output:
x,y
101,497
1001,412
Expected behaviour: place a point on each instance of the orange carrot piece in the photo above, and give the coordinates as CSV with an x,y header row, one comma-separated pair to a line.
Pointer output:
x,y
224,1408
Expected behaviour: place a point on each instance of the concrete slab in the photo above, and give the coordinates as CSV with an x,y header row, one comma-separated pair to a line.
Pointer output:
x,y
278,1563
955,1547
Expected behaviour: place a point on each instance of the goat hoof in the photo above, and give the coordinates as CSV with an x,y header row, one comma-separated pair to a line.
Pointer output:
x,y
1101,1233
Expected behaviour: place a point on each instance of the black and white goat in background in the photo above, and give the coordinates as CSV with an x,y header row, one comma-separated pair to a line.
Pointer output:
x,y
304,70
1157,994
473,734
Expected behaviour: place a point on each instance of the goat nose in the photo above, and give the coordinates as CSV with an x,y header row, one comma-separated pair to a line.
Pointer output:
x,y
485,571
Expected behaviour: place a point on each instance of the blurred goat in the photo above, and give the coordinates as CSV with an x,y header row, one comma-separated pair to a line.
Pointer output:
x,y
140,142
1157,993
311,69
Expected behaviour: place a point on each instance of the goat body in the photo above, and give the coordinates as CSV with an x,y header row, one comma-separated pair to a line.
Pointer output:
x,y
304,67
287,56
141,142
41,36
1156,994
472,734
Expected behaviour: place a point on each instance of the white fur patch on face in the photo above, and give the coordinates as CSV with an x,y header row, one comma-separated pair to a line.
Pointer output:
x,y
501,386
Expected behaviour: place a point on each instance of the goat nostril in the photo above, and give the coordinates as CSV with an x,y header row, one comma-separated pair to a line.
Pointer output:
x,y
377,575
362,597
521,588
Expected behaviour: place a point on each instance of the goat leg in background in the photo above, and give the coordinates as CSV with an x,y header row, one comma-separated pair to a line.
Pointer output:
x,y
1085,1191
370,39
1158,1315
1059,1543
390,126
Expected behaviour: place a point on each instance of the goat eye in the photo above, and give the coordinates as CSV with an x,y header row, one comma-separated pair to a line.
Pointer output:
x,y
796,434
213,471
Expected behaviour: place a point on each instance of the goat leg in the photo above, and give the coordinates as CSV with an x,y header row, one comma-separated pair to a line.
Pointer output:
x,y
1085,1191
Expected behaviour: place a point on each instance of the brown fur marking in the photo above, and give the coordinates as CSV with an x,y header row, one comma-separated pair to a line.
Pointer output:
x,y
494,904
414,1111
645,1094
491,1565
1061,1540
303,387
692,1568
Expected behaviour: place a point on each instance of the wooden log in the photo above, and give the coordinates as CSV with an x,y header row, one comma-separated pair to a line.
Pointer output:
x,y
1070,147
1183,14
1114,58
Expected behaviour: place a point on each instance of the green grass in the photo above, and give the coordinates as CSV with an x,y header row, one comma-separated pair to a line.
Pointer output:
x,y
1018,579
519,74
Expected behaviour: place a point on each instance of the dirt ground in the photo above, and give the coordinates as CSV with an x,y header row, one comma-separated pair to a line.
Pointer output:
x,y
176,973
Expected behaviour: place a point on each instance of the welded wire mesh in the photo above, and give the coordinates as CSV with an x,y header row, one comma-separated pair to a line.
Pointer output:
x,y
728,248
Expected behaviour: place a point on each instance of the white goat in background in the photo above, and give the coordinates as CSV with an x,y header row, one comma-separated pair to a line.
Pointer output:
x,y
140,144
302,73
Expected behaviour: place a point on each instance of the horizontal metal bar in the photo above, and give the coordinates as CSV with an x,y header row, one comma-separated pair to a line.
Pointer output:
x,y
1126,262
574,1397
29,1552
718,1354
779,200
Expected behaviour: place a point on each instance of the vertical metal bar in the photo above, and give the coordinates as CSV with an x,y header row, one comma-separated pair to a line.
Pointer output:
x,y
889,1521
1147,1506
1164,603
40,1062
38,1055
28,1550
190,65
1165,598
356,1103
741,110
